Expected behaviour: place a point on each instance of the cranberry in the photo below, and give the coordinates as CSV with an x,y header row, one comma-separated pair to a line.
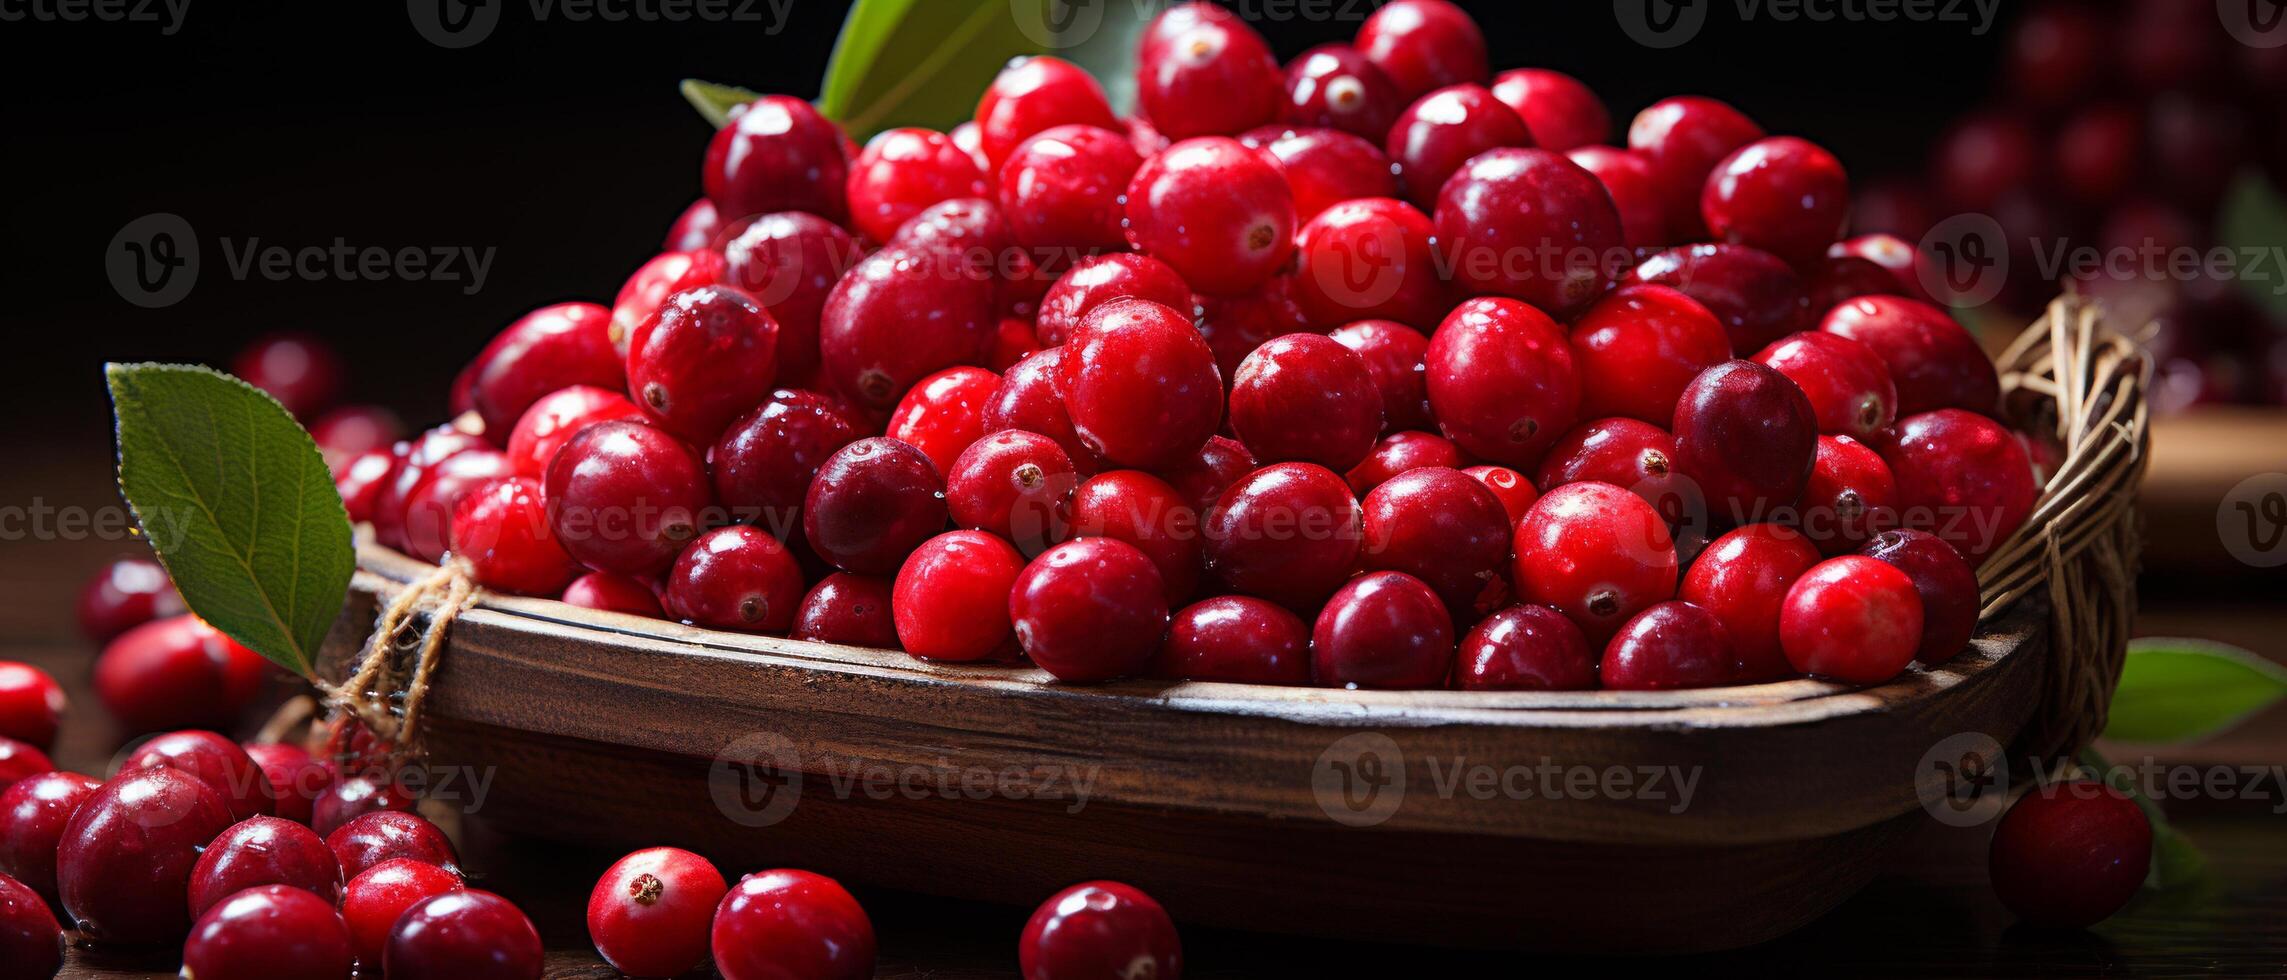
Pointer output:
x,y
427,524
1934,362
30,703
902,314
463,933
665,275
789,262
1216,211
359,480
1944,580
694,227
1982,159
1146,512
1838,279
1203,76
1683,138
177,672
706,356
1061,188
1561,112
735,578
1669,646
2057,53
1402,452
1850,497
2069,855
1784,195
296,777
1444,528
1325,167
21,760
266,932
1140,384
1743,578
1370,259
1517,494
778,154
951,597
425,453
1754,293
1012,484
1525,648
1089,610
1437,134
1597,553
852,610
1532,225
1382,630
1012,342
302,372
1289,532
788,923
1394,356
356,429
1848,385
386,835
214,760
556,418
625,497
1627,176
33,813
125,594
872,503
1238,639
1636,456
1029,399
1099,929
350,797
1096,280
1893,207
1747,437
1853,619
649,914
1964,473
548,349
765,460
31,941
2100,154
903,171
1901,259
1033,95
124,863
1203,478
1335,86
1639,347
613,592
1501,380
501,528
944,413
1235,325
1423,45
1306,397
373,901
263,851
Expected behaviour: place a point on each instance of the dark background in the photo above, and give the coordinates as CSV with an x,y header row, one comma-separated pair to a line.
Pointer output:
x,y
565,146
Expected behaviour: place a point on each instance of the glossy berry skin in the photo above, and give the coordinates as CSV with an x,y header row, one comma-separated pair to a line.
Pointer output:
x,y
1933,361
1443,528
789,262
1203,478
1334,86
177,672
263,851
902,171
1683,138
1144,511
1394,354
1012,484
1627,176
1439,132
1637,349
215,761
1400,452
873,502
694,227
1031,398
1216,211
548,349
295,777
852,610
950,600
1089,610
1033,95
125,594
1370,259
1595,552
1964,475
30,703
1532,225
613,592
1501,380
1289,532
777,154
1525,648
1325,167
1853,619
1099,929
1849,387
354,429
1382,630
1235,325
351,797
1784,195
650,912
386,835
1061,188
124,863
1424,45
1207,76
552,421
902,314
1238,639
735,578
465,933
373,901
21,760
269,932
1560,111
1742,578
1306,397
501,528
665,275
1748,437
705,357
944,413
1140,384
625,497
1755,295
33,812
1670,646
417,460
2069,855
428,519
1944,580
358,481
1834,280
1517,494
31,941
1635,456
765,460
1099,279
302,372
1851,495
785,924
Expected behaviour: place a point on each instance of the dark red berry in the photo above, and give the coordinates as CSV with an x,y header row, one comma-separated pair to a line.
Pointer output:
x,y
1747,437
30,703
555,419
1140,384
1853,619
765,460
1306,397
350,797
1203,478
1325,167
2069,855
902,314
1400,452
1033,95
1206,76
785,923
1743,578
501,528
1061,189
1370,259
873,502
951,597
372,902
459,934
1684,138
302,372
613,592
1669,646
1444,528
705,357
626,497
1784,195
1963,476
1530,224
1144,511
1099,929
548,349
852,610
125,594
1933,361
649,914
1435,135
415,461
778,154
694,227
1289,532
21,760
356,429
1638,348
1597,553
735,578
1394,356
789,262
1235,325
1216,211
1635,456
665,275
1851,496
294,774
31,941
1848,385
386,835
214,760
1627,176
1982,159
1837,279
1099,279
1335,86
1090,610
270,932
263,851
1031,399
177,672
1501,380
1525,648
1423,45
1013,484
1944,580
944,413
1382,630
358,480
124,864
33,813
1561,112
428,519
1239,639
1758,298
1517,494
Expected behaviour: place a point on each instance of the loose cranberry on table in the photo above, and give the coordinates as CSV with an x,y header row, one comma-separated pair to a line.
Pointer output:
x,y
302,372
1289,532
177,672
1217,212
1627,176
1089,610
1848,384
386,835
1944,580
1325,167
1033,95
1561,111
1638,348
354,429
1933,361
373,901
1852,619
1203,478
649,914
1371,259
1525,648
264,851
1030,399
33,813
548,349
902,314
1670,646
1501,380
461,934
552,421
1517,494
1013,484
1851,496
1335,86
295,776
1206,76
1532,225
1140,384
1306,397
30,703
788,923
705,357
944,412
950,600
902,171
270,932
1748,437
1742,578
1423,45
501,529
31,940
1236,638
735,578
2069,855
789,262
1144,511
1399,452
1784,195
125,594
1684,138
1099,279
664,275
852,610
1755,295
1061,189
124,864
1444,528
351,796
873,502
1382,630
777,154
1100,929
1962,476
765,460
1597,553
214,760
626,497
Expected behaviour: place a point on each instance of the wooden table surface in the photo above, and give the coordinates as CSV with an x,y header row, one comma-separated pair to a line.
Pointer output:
x,y
1932,914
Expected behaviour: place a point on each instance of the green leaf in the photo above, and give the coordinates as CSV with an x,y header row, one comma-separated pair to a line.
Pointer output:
x,y
716,101
236,501
2253,222
925,62
2178,690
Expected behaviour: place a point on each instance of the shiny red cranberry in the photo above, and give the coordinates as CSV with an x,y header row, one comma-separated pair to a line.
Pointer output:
x,y
665,275
1597,553
1444,528
1096,280
124,863
2068,855
268,932
613,592
1401,452
1061,188
552,421
1334,86
944,413
1382,630
1012,484
1561,111
735,578
1217,212
1144,511
351,797
1784,195
1636,456
1963,476
851,610
1672,645
1517,494
1033,95
21,760
1206,76
386,835
125,594
1982,159
778,154
1637,349
34,810
295,776
1235,325
1090,609
1683,138
765,460
214,760
1099,929
1747,436
263,851
1933,361
706,356
1944,580
1758,298
1203,478
1838,279
1140,384
1030,399
501,528
423,454
1012,342
373,901
1394,356
789,262
872,503
1325,167
902,314
1525,648
1853,619
1441,131
1501,380
30,703
1532,225
31,941
694,227
1370,259
463,933
1851,495
1306,397
1424,45
1289,532
358,480
302,372
1627,176
548,349
1847,383
903,171
785,923
951,597
355,429
427,523
177,672
650,913
1742,578
625,497
1236,638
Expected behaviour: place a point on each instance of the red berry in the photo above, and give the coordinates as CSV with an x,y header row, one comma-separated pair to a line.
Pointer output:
x,y
1099,279
1099,929
501,528
1848,385
30,938
613,592
944,413
625,497
415,460
1517,494
1033,95
1289,532
1089,610
1835,280
1423,45
1756,296
1684,138
263,851
873,502
215,761
1851,495
1438,133
852,610
789,262
1982,159
1334,86
1031,400
1061,189
1669,646
650,912
1784,195
30,703
350,797
1370,259
301,371
271,932
1012,484
951,597
556,418
548,349
463,933
1401,452
1146,512
1325,167
735,578
1635,456
2069,855
2057,53
707,356
1934,362
1501,380
1238,639
665,275
1012,342
177,672
903,171
1203,478
1525,648
785,923
766,459
1206,76
1944,580
1216,211
1533,225
296,777
356,429
1559,110
1382,630
386,835
1394,356
1743,578
1140,384
428,518
1597,553
1235,325
1853,619
359,480
902,314
21,760
33,813
1747,437
1964,476
1444,528
1306,397
373,901
124,863
1627,176
778,154
1638,348
125,594
1902,259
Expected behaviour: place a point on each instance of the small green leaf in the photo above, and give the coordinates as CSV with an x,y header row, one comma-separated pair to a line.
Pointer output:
x,y
716,101
2252,223
924,62
2177,690
236,501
